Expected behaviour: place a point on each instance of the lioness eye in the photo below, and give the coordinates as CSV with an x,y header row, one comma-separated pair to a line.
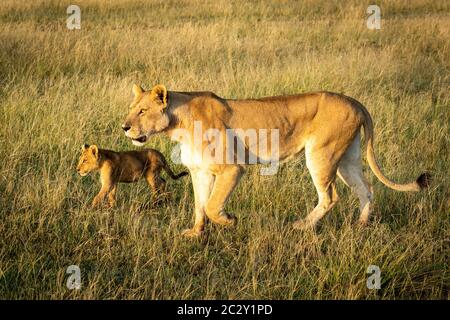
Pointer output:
x,y
141,112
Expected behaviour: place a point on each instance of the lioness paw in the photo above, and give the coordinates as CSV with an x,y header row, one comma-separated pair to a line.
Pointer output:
x,y
225,219
362,223
303,225
191,233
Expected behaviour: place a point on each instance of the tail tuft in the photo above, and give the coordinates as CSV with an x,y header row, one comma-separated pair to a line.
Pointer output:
x,y
424,180
182,174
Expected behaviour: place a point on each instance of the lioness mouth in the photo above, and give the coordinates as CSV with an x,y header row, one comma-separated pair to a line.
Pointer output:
x,y
141,139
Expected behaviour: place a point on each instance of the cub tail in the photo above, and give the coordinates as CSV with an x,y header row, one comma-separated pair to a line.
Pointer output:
x,y
171,174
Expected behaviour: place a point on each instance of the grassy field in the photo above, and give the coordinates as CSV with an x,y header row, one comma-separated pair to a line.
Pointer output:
x,y
61,88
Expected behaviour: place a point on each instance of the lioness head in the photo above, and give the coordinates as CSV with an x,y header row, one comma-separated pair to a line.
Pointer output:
x,y
147,114
89,160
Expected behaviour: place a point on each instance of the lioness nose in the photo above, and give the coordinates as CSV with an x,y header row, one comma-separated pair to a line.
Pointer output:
x,y
125,127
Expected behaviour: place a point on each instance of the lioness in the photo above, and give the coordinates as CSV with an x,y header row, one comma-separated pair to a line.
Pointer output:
x,y
326,125
127,166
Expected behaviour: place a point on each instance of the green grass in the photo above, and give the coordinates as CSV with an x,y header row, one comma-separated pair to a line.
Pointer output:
x,y
61,88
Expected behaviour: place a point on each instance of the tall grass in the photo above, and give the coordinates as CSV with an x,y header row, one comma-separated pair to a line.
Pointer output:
x,y
61,88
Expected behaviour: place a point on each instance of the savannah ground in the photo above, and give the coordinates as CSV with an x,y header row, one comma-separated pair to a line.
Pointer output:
x,y
61,88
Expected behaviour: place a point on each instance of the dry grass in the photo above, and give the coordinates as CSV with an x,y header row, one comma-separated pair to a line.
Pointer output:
x,y
61,88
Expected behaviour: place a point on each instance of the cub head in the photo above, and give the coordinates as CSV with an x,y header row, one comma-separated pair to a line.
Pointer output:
x,y
89,160
147,114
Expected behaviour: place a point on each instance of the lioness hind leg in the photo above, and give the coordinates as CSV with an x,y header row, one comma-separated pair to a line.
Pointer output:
x,y
350,171
328,197
322,167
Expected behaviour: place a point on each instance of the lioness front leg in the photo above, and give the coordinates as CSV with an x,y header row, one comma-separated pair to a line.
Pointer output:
x,y
202,181
224,185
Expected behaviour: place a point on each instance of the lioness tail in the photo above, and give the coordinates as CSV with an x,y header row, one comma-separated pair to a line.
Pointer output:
x,y
422,182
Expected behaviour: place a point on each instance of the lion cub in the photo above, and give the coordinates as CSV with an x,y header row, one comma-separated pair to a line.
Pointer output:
x,y
127,166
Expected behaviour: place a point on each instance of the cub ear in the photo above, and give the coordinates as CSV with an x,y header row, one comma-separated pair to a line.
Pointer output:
x,y
159,93
94,150
84,147
137,90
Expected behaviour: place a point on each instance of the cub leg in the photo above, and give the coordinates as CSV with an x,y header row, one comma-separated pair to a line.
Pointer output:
x,y
98,199
156,183
107,185
112,196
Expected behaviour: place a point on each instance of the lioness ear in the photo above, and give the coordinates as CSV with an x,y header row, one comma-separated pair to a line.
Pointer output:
x,y
94,150
137,90
84,147
159,93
